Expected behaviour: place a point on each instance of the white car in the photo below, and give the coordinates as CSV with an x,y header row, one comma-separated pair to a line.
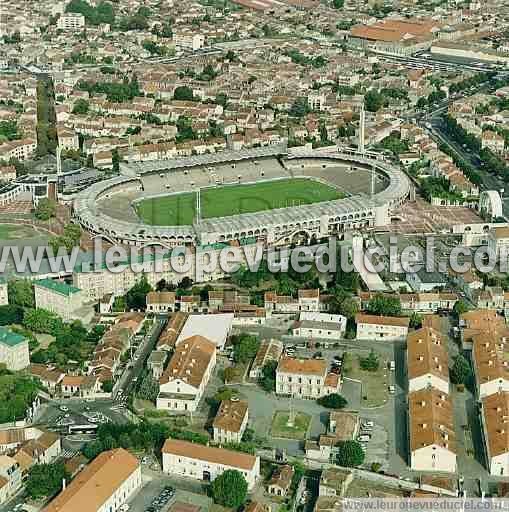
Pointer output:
x,y
63,408
392,390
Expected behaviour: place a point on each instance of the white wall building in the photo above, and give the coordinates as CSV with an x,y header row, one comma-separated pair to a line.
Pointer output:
x,y
427,360
104,485
14,350
490,362
71,21
495,412
215,327
10,477
305,378
230,421
431,429
319,325
386,328
191,460
59,298
187,374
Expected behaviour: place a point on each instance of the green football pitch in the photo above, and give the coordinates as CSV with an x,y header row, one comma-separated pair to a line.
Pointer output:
x,y
179,209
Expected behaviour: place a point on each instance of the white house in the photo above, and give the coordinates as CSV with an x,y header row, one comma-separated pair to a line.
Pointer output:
x,y
187,374
431,430
427,360
386,328
200,462
495,412
10,477
104,485
312,324
305,378
160,302
423,281
230,421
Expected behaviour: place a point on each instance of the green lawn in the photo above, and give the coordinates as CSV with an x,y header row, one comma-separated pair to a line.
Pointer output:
x,y
280,426
179,209
16,231
374,384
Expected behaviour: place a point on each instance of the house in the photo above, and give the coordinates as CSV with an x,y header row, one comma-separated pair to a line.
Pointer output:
x,y
185,459
156,363
281,480
431,431
230,421
493,141
40,450
14,350
312,324
305,378
387,328
108,482
269,350
10,477
478,321
160,302
215,327
427,360
307,300
79,385
498,242
334,481
49,376
490,360
342,426
494,415
423,281
59,298
168,337
184,380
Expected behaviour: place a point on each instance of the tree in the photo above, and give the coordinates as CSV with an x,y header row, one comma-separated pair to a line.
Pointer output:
x,y
338,4
461,371
81,106
385,305
461,307
416,320
230,489
21,293
136,297
350,454
46,209
370,363
11,314
183,93
149,388
245,347
268,379
45,479
299,108
107,386
373,101
333,401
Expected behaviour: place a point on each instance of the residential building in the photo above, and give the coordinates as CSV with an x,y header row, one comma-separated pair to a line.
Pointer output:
x,y
59,298
312,324
10,476
307,300
49,376
305,378
14,350
498,242
427,360
160,302
189,40
184,459
156,363
431,431
184,380
490,359
168,337
230,421
71,21
423,281
494,416
43,449
334,481
108,482
281,480
386,328
4,299
269,350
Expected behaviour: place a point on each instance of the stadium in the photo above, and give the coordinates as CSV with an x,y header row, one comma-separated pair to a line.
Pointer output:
x,y
272,194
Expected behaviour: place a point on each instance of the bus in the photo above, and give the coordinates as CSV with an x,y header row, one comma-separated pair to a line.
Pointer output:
x,y
87,428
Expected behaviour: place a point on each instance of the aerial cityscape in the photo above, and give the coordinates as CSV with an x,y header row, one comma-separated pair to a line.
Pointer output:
x,y
254,255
